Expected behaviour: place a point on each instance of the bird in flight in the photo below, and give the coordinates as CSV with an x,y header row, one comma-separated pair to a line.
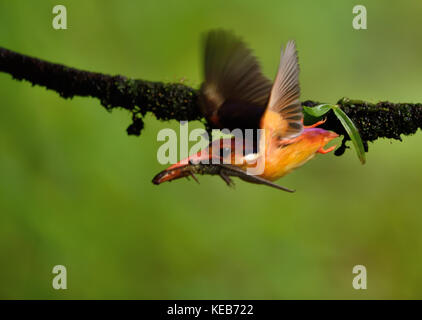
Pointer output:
x,y
236,95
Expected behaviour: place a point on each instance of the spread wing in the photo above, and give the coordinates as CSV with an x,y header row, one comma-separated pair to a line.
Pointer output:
x,y
235,92
283,116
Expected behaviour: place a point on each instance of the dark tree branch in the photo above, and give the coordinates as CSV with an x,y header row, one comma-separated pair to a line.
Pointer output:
x,y
168,101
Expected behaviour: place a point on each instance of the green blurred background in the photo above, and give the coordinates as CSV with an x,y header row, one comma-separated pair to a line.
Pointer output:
x,y
76,190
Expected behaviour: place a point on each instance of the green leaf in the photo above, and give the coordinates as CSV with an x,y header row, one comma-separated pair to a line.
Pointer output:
x,y
318,110
352,131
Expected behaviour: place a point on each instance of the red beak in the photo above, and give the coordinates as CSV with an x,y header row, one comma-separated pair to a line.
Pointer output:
x,y
171,174
182,168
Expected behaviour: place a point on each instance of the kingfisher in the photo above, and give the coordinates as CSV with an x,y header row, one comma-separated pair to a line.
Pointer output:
x,y
236,94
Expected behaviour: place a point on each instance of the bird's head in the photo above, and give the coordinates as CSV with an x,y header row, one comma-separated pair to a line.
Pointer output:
x,y
220,151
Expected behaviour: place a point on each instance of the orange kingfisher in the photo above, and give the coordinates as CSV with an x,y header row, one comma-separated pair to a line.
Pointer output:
x,y
235,94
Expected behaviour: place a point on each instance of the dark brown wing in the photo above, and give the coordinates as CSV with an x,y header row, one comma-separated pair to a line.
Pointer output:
x,y
235,92
283,117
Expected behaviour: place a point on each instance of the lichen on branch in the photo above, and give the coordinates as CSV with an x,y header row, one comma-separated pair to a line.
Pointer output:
x,y
165,100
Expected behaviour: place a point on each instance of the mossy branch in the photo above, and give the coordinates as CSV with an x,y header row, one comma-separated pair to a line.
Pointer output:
x,y
176,101
374,120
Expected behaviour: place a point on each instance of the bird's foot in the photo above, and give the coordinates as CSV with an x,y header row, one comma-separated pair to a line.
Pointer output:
x,y
316,124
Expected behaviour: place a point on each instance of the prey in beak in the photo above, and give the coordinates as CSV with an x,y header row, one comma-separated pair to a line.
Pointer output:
x,y
225,171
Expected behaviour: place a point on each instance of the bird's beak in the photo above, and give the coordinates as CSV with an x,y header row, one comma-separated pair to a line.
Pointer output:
x,y
184,168
170,174
181,169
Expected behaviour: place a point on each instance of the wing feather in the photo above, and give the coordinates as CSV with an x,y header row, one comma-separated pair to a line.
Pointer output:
x,y
233,77
284,115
